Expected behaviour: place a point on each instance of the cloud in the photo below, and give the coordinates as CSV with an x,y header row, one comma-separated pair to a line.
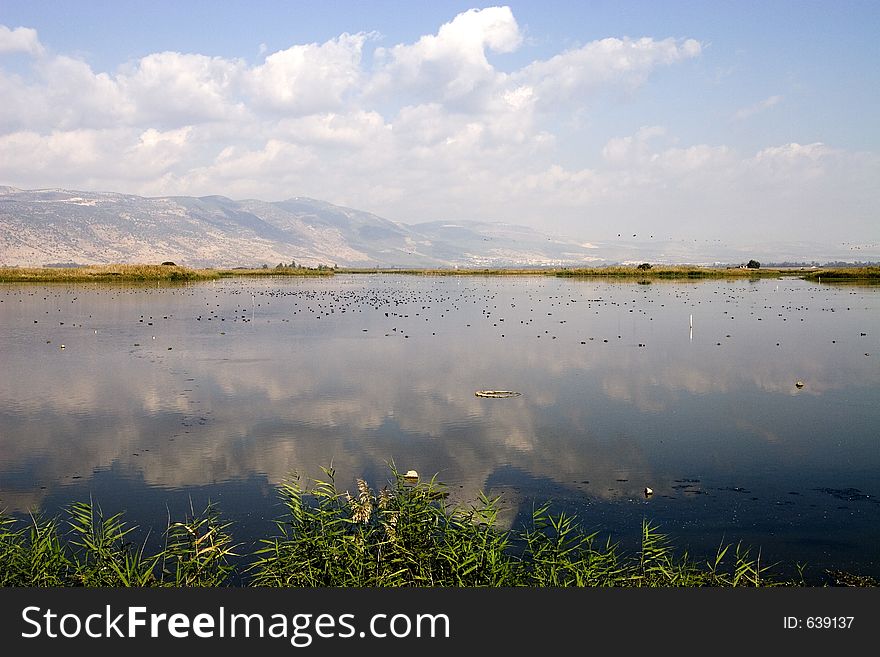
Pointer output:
x,y
427,129
794,152
77,150
175,89
747,112
64,94
451,65
623,151
20,39
447,75
581,72
159,151
773,193
355,129
310,78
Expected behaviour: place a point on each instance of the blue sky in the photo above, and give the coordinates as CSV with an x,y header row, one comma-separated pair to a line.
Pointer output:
x,y
583,118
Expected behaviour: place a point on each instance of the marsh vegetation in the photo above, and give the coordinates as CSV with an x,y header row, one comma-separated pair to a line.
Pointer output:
x,y
400,536
172,272
105,273
137,273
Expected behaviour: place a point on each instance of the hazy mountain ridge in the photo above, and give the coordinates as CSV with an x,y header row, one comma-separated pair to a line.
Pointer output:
x,y
63,226
42,226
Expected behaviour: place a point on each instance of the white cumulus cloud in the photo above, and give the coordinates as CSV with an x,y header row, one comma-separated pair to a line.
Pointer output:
x,y
310,78
171,88
20,39
431,128
578,73
451,65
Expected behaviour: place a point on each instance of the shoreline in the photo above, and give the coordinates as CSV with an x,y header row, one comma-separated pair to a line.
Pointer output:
x,y
177,273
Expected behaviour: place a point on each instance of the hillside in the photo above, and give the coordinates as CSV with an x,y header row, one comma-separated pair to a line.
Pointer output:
x,y
51,226
60,226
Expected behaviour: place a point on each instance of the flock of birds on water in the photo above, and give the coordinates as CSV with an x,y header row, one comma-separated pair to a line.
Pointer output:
x,y
575,314
412,308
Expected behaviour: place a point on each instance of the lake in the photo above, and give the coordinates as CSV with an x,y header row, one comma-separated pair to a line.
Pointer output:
x,y
751,408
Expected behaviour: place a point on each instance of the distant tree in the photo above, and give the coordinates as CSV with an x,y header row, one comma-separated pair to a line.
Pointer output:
x,y
645,266
265,266
753,264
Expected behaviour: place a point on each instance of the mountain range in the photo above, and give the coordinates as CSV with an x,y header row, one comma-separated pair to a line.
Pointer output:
x,y
52,226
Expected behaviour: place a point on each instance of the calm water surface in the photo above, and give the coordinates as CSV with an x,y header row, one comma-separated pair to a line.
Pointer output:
x,y
218,391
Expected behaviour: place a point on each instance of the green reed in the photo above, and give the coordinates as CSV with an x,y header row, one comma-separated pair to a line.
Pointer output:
x,y
405,534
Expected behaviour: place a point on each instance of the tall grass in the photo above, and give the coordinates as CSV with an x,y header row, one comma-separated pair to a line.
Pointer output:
x,y
449,271
178,273
845,273
137,273
277,271
403,535
667,272
619,271
105,273
93,550
400,536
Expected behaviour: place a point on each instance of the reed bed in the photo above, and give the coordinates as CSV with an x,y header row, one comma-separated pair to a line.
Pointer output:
x,y
277,271
668,271
846,273
404,535
450,271
658,271
105,273
141,273
622,271
134,273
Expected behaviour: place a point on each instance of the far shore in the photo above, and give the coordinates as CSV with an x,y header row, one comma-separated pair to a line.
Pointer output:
x,y
646,271
142,272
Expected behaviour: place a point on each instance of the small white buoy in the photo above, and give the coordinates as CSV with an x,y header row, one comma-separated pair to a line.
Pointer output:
x,y
62,346
648,491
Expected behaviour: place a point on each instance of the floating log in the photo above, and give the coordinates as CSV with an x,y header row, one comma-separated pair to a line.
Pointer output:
x,y
497,394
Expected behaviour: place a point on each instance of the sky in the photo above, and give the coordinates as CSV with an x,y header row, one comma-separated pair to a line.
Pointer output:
x,y
740,122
